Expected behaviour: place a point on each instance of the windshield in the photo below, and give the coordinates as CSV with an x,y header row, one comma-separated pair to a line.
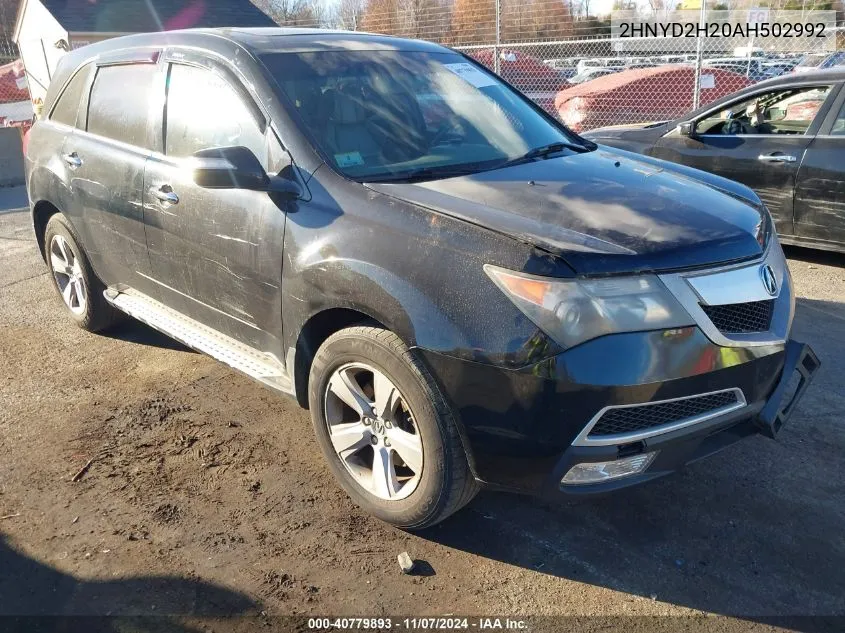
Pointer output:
x,y
388,115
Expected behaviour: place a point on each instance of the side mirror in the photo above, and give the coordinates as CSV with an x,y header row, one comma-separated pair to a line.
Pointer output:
x,y
239,168
687,128
229,168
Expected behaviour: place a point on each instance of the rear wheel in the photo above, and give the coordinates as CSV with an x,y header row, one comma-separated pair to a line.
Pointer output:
x,y
386,430
73,278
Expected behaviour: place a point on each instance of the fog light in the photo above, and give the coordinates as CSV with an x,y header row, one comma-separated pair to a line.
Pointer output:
x,y
593,472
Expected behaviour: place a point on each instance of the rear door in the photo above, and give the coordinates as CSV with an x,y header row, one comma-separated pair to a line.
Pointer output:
x,y
820,186
216,253
108,153
758,140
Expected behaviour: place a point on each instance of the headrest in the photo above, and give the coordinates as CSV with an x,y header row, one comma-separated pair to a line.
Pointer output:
x,y
347,108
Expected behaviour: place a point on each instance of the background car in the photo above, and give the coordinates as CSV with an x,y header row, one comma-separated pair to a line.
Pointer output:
x,y
749,67
810,62
538,81
592,73
784,137
629,96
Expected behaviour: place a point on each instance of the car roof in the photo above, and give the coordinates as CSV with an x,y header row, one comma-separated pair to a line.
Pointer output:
x,y
261,40
138,17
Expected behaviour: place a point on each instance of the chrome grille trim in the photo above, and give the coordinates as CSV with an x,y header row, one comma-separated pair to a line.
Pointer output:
x,y
584,438
737,283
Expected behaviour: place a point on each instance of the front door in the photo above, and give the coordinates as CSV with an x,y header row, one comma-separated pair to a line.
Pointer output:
x,y
758,140
216,253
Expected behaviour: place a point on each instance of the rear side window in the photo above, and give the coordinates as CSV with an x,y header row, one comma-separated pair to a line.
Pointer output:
x,y
67,106
120,102
205,111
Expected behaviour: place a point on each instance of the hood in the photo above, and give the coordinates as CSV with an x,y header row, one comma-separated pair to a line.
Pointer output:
x,y
602,212
655,128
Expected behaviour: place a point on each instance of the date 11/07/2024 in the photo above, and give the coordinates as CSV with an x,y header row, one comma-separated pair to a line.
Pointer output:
x,y
418,624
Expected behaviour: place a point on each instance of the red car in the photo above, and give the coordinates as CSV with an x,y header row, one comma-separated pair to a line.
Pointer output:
x,y
531,76
642,94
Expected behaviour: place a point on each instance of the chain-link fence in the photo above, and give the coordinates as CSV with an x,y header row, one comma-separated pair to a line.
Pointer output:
x,y
591,72
15,109
636,68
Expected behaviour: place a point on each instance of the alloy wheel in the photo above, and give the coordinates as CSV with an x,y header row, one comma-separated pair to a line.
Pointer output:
x,y
373,431
68,274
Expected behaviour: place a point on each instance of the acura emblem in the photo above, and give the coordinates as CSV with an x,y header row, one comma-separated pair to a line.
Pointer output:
x,y
770,282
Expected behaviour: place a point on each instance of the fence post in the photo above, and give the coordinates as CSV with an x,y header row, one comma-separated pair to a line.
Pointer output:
x,y
496,64
699,45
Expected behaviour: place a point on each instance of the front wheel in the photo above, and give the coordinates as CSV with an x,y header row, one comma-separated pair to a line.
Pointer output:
x,y
386,430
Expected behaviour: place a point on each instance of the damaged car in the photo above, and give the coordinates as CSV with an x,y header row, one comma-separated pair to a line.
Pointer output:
x,y
464,293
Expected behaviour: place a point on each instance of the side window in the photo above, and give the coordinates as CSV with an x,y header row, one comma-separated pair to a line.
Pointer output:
x,y
838,128
204,111
120,102
787,111
67,107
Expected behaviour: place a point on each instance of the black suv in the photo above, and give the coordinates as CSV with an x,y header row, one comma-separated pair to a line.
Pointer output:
x,y
462,291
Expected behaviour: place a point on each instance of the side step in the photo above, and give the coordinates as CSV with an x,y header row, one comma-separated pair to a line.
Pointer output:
x,y
247,360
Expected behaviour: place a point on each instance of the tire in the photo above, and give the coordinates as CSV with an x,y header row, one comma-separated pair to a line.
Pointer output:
x,y
426,495
61,244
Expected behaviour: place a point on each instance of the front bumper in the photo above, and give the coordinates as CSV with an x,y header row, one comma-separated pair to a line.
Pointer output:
x,y
519,426
674,450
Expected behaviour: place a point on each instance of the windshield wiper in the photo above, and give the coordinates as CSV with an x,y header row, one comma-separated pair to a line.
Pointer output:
x,y
426,173
543,151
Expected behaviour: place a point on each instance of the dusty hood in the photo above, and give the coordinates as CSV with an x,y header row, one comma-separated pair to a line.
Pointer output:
x,y
601,212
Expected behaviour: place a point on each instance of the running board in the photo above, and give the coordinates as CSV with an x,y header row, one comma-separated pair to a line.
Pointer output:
x,y
245,359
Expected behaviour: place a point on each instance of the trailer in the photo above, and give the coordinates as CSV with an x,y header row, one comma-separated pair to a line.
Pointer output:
x,y
46,29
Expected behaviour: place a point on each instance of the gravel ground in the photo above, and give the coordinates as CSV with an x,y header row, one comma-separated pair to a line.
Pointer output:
x,y
207,496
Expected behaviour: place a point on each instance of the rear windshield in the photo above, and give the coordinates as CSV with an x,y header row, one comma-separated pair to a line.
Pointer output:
x,y
382,115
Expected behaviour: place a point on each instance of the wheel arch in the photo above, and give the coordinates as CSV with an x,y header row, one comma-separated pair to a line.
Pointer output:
x,y
42,211
314,333
320,326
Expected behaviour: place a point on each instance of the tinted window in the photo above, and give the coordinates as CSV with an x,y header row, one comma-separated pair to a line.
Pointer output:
x,y
204,111
120,102
68,104
388,115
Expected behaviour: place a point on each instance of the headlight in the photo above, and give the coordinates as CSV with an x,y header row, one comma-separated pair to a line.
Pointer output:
x,y
576,310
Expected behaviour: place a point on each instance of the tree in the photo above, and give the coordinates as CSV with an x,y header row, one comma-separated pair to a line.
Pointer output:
x,y
381,16
473,22
350,14
291,12
531,20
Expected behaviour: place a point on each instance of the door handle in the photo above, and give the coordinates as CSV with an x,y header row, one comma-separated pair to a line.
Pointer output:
x,y
165,194
72,160
777,158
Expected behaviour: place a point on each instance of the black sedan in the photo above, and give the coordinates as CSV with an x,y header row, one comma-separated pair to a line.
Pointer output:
x,y
784,137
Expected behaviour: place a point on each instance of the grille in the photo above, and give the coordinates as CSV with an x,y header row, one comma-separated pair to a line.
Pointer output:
x,y
740,318
632,419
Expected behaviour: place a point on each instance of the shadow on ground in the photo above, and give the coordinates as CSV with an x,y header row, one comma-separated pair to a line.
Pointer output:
x,y
815,256
35,597
753,532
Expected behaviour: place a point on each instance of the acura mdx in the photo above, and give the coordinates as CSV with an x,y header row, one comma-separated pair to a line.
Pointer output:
x,y
462,291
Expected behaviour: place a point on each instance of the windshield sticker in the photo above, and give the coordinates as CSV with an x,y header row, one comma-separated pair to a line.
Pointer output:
x,y
708,81
349,159
471,74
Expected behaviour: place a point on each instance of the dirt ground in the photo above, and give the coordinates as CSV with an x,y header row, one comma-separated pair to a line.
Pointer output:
x,y
207,495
